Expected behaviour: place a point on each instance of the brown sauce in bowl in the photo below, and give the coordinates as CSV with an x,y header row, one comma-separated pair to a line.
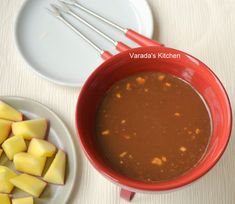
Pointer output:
x,y
152,127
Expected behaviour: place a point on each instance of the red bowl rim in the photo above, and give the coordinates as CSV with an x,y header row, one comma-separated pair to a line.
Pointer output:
x,y
133,184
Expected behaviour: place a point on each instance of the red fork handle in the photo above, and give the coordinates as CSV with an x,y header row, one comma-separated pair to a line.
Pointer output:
x,y
140,39
106,55
136,37
121,47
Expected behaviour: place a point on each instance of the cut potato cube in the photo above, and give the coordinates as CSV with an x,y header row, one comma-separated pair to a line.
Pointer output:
x,y
29,184
1,152
14,145
41,148
5,129
5,175
9,113
30,128
28,163
56,172
26,200
4,199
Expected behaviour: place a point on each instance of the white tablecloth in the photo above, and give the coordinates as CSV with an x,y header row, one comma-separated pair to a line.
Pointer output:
x,y
204,28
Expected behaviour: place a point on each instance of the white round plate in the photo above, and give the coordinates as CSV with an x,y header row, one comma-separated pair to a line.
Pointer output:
x,y
57,54
58,135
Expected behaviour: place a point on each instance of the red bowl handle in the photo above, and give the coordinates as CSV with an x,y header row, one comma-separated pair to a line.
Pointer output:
x,y
140,39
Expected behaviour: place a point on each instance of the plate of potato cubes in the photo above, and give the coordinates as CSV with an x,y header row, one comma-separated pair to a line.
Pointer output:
x,y
38,161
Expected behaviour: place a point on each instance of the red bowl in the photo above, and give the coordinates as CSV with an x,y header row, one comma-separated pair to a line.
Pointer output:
x,y
159,59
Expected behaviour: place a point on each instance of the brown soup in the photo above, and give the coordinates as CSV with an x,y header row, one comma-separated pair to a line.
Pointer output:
x,y
152,127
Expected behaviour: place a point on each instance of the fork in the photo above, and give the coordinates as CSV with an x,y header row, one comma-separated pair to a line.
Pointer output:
x,y
57,13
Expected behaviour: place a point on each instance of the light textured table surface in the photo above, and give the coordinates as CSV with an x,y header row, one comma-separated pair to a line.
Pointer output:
x,y
204,28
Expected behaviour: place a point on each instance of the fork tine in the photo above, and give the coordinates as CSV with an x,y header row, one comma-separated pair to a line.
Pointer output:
x,y
69,2
57,10
49,10
54,10
55,7
64,7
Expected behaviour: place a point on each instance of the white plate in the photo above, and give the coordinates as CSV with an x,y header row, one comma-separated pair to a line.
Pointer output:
x,y
57,54
58,135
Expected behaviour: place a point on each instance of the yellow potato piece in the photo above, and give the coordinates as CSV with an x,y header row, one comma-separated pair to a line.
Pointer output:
x,y
14,145
30,128
56,172
28,163
41,148
26,200
9,113
29,184
5,129
1,152
5,175
4,199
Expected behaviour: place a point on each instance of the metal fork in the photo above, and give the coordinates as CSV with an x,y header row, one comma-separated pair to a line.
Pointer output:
x,y
118,45
56,12
76,4
129,33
